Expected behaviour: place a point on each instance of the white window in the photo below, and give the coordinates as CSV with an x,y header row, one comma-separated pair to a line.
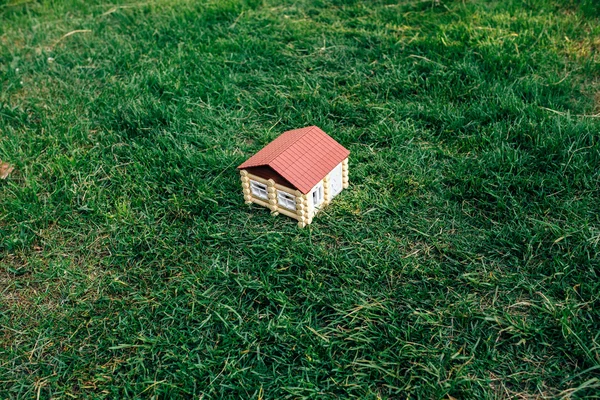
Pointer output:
x,y
335,179
258,189
317,195
286,200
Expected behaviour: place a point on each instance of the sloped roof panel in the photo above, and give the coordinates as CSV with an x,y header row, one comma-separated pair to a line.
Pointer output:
x,y
302,156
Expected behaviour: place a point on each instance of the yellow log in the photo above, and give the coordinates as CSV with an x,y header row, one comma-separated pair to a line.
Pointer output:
x,y
285,189
260,202
288,213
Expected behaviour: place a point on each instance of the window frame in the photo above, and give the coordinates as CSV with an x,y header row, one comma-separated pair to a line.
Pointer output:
x,y
257,189
319,192
289,201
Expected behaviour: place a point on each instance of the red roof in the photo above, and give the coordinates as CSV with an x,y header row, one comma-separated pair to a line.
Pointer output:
x,y
302,156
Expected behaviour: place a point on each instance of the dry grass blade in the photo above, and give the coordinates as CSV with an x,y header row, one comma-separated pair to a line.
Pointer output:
x,y
5,170
66,35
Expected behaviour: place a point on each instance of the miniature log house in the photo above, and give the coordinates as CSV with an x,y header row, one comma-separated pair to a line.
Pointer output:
x,y
296,174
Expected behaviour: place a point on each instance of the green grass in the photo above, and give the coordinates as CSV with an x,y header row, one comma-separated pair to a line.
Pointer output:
x,y
463,261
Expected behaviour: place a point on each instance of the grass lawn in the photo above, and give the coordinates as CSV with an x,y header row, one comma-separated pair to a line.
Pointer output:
x,y
462,262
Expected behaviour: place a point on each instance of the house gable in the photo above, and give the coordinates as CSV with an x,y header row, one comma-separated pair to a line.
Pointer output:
x,y
266,172
303,157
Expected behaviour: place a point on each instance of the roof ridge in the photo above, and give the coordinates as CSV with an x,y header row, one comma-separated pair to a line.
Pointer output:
x,y
290,144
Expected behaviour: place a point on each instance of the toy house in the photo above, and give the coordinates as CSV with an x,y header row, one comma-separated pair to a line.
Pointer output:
x,y
296,174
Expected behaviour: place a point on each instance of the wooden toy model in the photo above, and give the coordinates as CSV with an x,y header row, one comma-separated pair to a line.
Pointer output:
x,y
296,174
